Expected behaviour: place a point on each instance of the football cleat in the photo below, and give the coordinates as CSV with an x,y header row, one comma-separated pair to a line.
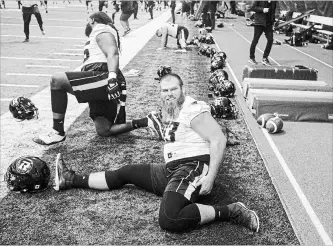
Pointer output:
x,y
155,123
22,108
240,214
50,138
27,174
266,62
63,176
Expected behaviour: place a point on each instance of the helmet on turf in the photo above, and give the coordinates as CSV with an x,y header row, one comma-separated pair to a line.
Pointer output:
x,y
202,49
202,39
223,108
208,51
220,54
22,108
218,76
163,70
217,62
27,174
209,39
213,51
225,89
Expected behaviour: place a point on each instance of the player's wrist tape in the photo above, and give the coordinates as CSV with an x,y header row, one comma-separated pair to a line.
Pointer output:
x,y
112,75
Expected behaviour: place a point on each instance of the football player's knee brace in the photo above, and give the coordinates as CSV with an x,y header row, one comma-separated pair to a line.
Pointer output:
x,y
177,213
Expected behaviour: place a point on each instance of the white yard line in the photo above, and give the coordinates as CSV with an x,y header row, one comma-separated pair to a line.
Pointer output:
x,y
45,20
42,37
46,27
37,59
78,45
74,49
306,204
68,54
46,66
29,74
5,100
16,85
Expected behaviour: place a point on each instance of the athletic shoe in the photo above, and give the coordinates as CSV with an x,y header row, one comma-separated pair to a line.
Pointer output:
x,y
253,61
266,62
26,40
155,123
240,214
43,32
63,176
52,137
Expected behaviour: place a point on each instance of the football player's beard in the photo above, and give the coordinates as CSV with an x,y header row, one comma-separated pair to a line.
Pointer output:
x,y
170,110
88,30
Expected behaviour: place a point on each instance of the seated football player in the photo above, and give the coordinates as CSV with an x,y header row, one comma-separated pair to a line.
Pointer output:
x,y
193,152
173,30
98,82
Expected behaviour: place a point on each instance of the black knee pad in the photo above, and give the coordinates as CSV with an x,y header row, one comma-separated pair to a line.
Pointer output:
x,y
178,214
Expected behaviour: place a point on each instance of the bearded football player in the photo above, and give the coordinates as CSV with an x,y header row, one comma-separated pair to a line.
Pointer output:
x,y
98,82
193,153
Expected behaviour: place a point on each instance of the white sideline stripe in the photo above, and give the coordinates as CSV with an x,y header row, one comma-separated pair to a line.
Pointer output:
x,y
74,49
38,59
46,66
5,100
83,20
20,142
306,204
71,27
15,85
29,74
78,45
307,54
250,43
314,218
69,54
43,37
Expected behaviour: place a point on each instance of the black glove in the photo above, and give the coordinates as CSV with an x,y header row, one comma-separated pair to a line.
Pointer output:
x,y
113,90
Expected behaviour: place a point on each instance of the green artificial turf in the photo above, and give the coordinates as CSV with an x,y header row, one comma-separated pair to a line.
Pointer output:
x,y
130,215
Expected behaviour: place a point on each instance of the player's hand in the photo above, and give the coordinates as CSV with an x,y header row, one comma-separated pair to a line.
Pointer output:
x,y
113,90
206,184
265,10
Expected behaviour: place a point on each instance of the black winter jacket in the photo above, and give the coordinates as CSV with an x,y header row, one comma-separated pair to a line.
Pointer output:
x,y
261,18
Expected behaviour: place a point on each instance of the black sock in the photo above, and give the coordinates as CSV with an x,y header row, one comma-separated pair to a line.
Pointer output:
x,y
80,181
140,123
58,125
221,213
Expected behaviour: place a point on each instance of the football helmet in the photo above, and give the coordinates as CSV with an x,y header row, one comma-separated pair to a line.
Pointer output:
x,y
27,174
23,109
218,76
209,40
213,51
217,62
202,39
223,108
225,89
163,70
208,51
202,50
220,54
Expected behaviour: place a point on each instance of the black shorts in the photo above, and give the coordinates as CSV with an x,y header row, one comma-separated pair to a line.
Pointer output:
x,y
182,33
90,87
181,178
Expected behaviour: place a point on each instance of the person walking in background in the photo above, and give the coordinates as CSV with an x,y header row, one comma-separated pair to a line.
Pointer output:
x,y
173,7
150,6
3,3
87,4
19,4
115,9
31,8
136,9
264,19
127,10
212,7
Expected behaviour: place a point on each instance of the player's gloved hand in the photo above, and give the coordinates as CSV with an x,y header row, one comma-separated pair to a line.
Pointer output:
x,y
112,88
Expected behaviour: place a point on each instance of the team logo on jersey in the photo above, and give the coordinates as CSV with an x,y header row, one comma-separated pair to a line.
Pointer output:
x,y
24,166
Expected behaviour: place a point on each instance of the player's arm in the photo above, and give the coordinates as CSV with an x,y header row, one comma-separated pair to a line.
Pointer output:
x,y
207,127
107,43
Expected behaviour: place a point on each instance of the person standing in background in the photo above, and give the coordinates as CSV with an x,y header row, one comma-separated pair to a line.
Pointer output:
x,y
150,6
172,7
31,8
264,19
136,9
127,10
